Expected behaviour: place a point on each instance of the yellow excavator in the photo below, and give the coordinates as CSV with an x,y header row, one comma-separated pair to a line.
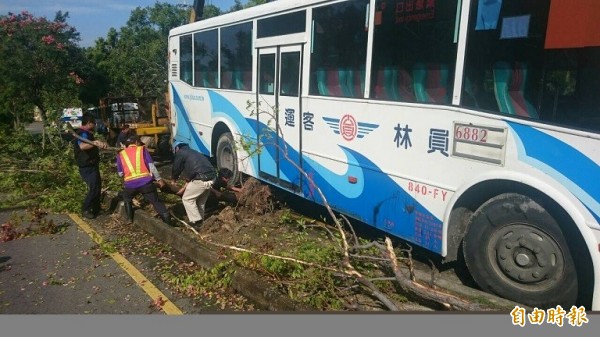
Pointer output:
x,y
140,114
197,10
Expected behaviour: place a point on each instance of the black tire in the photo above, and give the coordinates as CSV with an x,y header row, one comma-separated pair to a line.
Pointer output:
x,y
227,156
514,248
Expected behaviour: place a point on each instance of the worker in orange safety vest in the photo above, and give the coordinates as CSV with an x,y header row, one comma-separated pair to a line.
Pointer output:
x,y
137,168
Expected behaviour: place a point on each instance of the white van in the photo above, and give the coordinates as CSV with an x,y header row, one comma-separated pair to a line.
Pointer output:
x,y
127,112
73,116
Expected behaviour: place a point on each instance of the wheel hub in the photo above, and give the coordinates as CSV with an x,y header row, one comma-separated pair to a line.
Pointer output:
x,y
525,254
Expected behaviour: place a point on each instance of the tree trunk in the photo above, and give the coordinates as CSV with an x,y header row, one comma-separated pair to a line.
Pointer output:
x,y
44,121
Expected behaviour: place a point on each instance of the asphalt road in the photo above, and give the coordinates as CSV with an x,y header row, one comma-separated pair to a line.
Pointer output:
x,y
69,273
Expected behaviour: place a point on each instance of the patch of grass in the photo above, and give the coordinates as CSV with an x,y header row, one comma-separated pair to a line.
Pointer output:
x,y
200,281
310,285
108,247
45,177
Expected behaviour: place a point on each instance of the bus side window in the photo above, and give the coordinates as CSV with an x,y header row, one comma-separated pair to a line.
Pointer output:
x,y
405,86
290,74
384,87
226,79
357,82
266,76
509,88
430,82
329,82
185,59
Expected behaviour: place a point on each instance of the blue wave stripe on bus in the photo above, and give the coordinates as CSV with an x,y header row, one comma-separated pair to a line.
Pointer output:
x,y
381,202
247,127
336,181
375,198
562,162
180,111
594,214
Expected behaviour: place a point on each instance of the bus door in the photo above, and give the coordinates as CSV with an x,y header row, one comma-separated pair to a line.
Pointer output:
x,y
278,114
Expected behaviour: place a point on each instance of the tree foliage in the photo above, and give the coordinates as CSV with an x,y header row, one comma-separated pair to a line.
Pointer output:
x,y
40,65
211,11
134,59
43,66
237,5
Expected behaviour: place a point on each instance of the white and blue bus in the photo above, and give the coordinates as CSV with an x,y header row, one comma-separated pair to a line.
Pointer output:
x,y
467,127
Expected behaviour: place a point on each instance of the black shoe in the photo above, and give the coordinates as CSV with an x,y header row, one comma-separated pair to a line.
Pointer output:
x,y
128,210
88,215
196,224
166,218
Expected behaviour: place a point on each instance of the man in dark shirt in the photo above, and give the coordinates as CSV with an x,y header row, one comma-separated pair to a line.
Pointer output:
x,y
87,157
222,182
222,188
199,174
123,135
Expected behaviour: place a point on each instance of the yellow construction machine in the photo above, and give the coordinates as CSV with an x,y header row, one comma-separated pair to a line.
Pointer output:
x,y
143,115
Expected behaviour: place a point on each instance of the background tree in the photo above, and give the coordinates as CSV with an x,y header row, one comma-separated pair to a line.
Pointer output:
x,y
238,5
40,58
252,3
211,11
134,59
43,66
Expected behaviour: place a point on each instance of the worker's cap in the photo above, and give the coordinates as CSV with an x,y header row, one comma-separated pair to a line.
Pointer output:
x,y
133,139
178,143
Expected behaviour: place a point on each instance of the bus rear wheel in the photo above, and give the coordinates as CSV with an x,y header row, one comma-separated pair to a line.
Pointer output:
x,y
227,156
515,248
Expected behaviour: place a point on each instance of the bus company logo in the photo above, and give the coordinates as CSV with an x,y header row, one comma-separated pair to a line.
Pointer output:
x,y
349,128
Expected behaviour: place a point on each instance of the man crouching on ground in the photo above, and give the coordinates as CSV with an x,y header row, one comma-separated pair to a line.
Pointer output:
x,y
199,174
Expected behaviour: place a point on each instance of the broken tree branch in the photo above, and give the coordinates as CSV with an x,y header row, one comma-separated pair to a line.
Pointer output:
x,y
435,295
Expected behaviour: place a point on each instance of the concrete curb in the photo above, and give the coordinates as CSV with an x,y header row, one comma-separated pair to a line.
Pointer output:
x,y
266,295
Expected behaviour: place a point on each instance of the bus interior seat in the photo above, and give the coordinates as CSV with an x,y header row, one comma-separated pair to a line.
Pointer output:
x,y
430,82
405,84
242,80
321,77
226,79
357,82
329,82
346,78
287,87
509,87
385,84
470,96
247,76
208,79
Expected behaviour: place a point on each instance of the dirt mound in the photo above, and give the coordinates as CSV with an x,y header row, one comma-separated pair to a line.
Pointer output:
x,y
234,212
222,221
256,197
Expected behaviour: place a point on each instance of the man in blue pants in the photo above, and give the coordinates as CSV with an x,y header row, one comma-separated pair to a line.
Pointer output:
x,y
87,157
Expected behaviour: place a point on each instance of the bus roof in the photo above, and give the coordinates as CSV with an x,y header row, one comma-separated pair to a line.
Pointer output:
x,y
266,9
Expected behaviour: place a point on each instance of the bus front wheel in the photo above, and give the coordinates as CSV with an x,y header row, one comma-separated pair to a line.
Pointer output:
x,y
227,156
515,248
